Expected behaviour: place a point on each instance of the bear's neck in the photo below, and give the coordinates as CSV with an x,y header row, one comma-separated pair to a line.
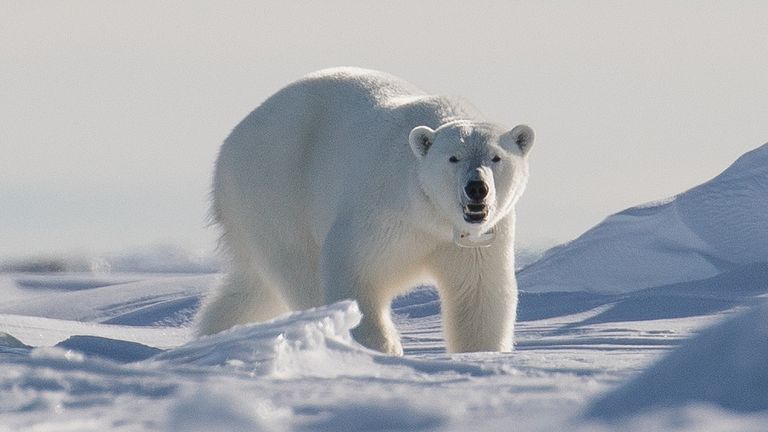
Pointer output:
x,y
428,220
425,217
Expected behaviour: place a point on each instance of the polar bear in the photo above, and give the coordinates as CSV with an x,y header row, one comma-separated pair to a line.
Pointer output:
x,y
354,184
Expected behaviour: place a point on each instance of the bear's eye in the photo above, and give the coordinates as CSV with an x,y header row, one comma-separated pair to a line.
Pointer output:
x,y
496,158
453,159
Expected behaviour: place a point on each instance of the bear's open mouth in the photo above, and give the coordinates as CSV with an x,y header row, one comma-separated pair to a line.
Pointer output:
x,y
475,213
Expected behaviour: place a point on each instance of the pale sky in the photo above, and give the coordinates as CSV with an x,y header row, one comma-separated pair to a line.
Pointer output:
x,y
111,113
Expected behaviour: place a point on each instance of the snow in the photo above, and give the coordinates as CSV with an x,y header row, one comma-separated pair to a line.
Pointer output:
x,y
603,341
314,343
159,258
715,227
302,371
726,365
89,298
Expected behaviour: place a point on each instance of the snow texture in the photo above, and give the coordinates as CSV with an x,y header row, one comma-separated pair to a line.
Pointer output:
x,y
114,351
725,365
712,228
154,259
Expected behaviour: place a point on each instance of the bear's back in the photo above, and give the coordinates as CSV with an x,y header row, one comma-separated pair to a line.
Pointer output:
x,y
359,145
371,87
326,140
357,90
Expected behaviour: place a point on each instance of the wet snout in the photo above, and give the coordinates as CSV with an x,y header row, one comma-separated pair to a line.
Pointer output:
x,y
476,190
476,193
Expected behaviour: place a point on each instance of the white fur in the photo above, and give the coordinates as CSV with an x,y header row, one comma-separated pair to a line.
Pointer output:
x,y
321,198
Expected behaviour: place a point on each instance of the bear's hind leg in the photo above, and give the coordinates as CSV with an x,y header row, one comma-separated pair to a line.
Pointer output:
x,y
242,299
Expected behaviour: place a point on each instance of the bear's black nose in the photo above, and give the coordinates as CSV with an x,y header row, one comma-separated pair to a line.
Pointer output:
x,y
476,190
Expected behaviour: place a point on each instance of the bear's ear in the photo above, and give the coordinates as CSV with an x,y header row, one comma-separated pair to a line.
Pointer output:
x,y
520,136
421,138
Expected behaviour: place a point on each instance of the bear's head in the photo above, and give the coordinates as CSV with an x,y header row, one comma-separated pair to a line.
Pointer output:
x,y
473,173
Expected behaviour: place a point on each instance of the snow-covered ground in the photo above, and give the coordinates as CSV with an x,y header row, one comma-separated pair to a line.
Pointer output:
x,y
610,337
718,226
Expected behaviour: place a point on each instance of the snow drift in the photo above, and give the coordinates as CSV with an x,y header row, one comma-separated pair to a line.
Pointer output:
x,y
122,299
315,342
713,228
726,365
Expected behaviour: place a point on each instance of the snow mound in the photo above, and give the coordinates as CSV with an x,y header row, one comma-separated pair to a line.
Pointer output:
x,y
685,299
712,228
315,342
111,349
11,345
123,299
726,365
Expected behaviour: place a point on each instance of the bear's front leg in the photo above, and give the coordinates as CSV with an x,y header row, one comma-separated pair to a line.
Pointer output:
x,y
344,276
376,329
479,306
